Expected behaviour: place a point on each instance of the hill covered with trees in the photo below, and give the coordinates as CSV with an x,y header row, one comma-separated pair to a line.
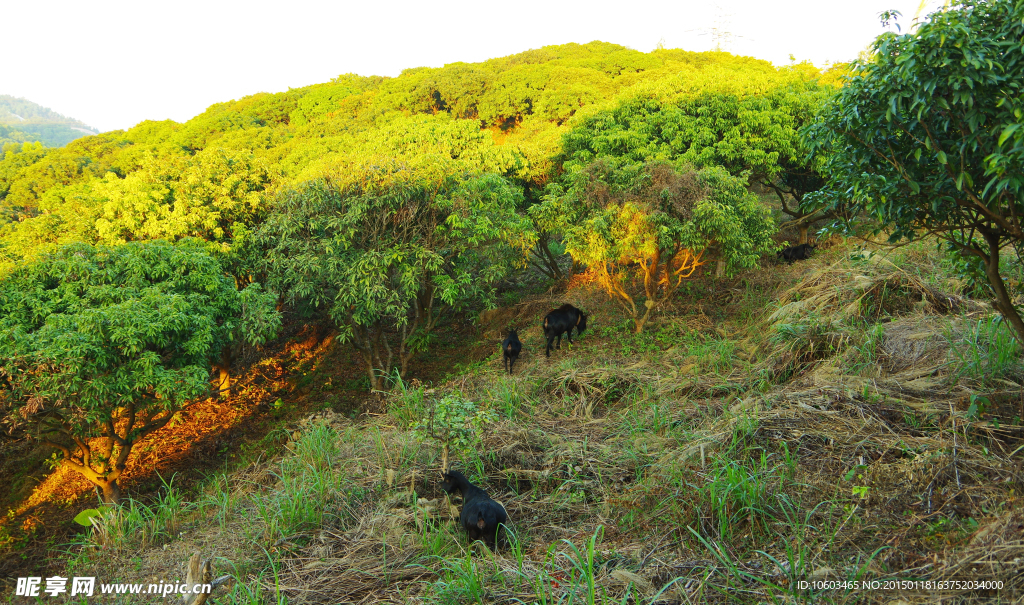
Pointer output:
x,y
507,116
726,427
22,121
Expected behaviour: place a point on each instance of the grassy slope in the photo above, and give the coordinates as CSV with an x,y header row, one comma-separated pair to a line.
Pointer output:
x,y
738,446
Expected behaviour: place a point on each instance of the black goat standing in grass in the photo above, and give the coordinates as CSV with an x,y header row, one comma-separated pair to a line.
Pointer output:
x,y
561,321
510,348
480,514
794,253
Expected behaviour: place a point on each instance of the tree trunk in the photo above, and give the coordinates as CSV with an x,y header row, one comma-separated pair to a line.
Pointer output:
x,y
804,228
223,368
199,572
548,264
1002,302
111,491
640,322
370,373
720,268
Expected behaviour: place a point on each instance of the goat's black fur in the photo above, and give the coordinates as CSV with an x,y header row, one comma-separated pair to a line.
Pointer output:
x,y
510,348
561,321
480,514
795,253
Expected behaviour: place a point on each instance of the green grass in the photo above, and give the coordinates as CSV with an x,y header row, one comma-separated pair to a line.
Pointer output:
x,y
135,524
984,349
307,485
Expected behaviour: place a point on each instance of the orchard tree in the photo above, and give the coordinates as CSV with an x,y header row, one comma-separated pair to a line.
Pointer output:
x,y
100,346
925,138
390,252
653,224
753,133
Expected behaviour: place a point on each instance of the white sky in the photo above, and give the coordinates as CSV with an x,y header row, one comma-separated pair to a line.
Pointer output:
x,y
113,64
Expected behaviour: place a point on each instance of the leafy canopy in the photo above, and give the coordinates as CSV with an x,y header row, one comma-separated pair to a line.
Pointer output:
x,y
388,252
506,116
654,224
100,341
926,137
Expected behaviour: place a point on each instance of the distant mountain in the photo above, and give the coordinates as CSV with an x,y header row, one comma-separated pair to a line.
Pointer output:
x,y
22,121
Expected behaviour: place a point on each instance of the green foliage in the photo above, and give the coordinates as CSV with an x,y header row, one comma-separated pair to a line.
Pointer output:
x,y
654,224
506,116
455,423
321,101
16,156
925,137
390,252
755,133
206,195
984,349
111,341
85,517
752,131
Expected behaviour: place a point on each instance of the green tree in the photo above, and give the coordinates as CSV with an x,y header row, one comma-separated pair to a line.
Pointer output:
x,y
653,225
756,134
925,138
100,346
390,252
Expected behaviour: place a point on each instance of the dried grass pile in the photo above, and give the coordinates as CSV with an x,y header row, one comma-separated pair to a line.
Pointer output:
x,y
877,289
883,321
994,554
364,564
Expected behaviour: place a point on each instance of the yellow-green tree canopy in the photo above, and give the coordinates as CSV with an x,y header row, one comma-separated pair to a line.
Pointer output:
x,y
217,172
653,224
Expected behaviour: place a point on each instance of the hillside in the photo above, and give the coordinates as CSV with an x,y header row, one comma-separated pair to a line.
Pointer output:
x,y
22,121
505,116
723,456
793,371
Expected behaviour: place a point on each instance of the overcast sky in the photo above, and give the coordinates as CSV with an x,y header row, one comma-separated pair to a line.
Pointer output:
x,y
113,64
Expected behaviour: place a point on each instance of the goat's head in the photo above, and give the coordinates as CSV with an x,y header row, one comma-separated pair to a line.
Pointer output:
x,y
450,481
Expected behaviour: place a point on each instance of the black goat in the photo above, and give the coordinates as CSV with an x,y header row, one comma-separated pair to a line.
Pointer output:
x,y
510,348
480,514
795,253
561,321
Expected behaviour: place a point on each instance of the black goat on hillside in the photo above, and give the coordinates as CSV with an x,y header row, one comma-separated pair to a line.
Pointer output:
x,y
510,348
561,321
795,253
480,514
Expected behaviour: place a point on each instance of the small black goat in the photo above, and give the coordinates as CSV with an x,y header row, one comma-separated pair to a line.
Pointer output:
x,y
561,321
795,253
480,514
510,348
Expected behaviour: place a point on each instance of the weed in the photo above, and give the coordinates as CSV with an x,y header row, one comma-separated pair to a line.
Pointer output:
x,y
865,356
583,571
986,349
455,423
135,523
509,398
